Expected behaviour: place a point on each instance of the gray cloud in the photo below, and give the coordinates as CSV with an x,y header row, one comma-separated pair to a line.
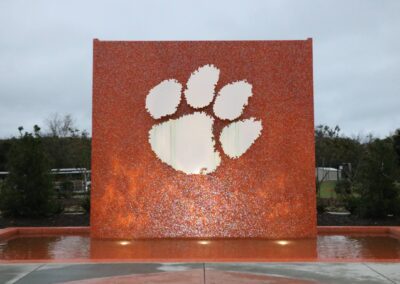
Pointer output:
x,y
46,51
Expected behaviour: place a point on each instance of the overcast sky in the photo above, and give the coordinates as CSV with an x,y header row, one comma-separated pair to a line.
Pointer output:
x,y
46,51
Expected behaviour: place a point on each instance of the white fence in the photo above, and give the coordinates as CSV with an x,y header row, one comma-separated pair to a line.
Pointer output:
x,y
328,174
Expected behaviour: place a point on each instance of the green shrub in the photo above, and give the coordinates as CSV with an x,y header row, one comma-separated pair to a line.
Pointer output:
x,y
28,189
376,186
86,203
67,188
352,204
343,188
320,206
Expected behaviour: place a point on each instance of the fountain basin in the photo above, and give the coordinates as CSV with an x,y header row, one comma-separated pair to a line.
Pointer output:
x,y
74,244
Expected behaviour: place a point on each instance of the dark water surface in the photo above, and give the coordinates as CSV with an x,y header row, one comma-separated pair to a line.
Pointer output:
x,y
82,247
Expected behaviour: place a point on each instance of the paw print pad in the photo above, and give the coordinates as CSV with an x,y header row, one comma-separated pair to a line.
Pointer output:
x,y
187,143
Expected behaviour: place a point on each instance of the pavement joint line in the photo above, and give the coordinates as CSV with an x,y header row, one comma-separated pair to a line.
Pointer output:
x,y
33,270
204,273
384,276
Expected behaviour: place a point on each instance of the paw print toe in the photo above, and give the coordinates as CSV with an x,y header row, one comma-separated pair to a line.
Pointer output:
x,y
200,88
164,98
232,99
237,137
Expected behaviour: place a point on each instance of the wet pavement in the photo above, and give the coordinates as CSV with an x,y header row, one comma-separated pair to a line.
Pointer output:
x,y
232,273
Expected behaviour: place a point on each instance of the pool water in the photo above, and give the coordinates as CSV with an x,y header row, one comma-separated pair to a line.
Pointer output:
x,y
82,247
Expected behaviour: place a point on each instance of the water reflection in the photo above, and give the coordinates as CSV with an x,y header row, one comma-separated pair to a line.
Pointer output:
x,y
45,247
358,246
83,247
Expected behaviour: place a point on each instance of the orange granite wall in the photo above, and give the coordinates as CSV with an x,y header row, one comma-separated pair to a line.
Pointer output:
x,y
269,192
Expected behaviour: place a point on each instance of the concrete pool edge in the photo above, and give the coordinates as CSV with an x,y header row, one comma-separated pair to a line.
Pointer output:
x,y
11,231
390,231
393,231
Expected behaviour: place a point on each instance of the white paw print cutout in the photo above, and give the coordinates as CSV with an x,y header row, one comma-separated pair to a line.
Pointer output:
x,y
187,143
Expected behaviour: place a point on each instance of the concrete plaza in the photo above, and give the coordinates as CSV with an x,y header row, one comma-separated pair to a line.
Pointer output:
x,y
250,273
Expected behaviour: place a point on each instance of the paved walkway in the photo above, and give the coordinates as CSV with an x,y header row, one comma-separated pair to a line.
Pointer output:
x,y
231,273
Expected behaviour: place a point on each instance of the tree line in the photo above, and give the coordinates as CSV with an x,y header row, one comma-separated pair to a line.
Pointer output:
x,y
28,189
370,184
64,145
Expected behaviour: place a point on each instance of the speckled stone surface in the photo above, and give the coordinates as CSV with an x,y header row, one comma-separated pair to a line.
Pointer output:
x,y
269,192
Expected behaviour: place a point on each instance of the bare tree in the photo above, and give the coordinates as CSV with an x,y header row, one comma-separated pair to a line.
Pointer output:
x,y
61,126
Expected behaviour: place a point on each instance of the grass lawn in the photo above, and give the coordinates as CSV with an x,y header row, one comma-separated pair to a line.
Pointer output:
x,y
328,189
